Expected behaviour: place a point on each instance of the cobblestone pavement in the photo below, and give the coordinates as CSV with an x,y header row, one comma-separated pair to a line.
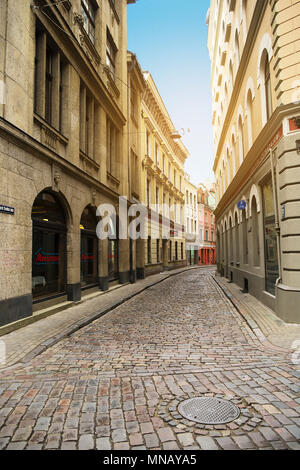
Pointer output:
x,y
117,383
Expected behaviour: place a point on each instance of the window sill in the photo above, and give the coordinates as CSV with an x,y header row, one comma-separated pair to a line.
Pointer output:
x,y
111,85
49,135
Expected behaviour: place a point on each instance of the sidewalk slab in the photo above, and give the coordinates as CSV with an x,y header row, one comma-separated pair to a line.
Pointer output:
x,y
265,324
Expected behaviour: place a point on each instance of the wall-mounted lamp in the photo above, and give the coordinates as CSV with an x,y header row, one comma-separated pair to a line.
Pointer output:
x,y
298,146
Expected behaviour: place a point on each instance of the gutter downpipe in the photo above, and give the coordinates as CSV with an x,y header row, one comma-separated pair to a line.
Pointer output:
x,y
277,226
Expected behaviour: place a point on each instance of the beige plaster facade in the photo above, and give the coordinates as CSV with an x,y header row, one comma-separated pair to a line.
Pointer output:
x,y
255,53
162,183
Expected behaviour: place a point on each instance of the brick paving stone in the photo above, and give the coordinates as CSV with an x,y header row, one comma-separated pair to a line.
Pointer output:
x,y
22,434
294,430
103,444
16,446
42,424
186,439
226,443
285,434
146,428
243,442
70,435
136,439
68,446
166,435
86,442
53,441
151,440
8,431
170,446
294,445
3,442
268,434
207,443
122,446
119,435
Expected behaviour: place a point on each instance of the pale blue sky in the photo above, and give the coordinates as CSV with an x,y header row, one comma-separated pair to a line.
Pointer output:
x,y
169,38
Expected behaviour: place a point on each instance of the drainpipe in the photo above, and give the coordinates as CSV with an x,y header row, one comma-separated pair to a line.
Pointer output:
x,y
277,226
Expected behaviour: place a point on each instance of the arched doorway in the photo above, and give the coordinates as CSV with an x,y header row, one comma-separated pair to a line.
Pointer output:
x,y
89,248
49,260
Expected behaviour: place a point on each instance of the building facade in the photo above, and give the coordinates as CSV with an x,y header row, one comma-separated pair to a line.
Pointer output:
x,y
255,55
191,221
162,184
207,227
64,150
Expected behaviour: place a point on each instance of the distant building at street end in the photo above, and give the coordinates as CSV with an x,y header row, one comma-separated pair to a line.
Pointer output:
x,y
255,53
207,229
191,221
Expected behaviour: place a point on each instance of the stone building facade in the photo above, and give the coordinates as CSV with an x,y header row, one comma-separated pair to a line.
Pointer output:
x,y
255,52
162,183
63,150
191,221
207,226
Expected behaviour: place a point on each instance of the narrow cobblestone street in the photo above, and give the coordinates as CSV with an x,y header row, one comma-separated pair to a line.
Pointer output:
x,y
116,383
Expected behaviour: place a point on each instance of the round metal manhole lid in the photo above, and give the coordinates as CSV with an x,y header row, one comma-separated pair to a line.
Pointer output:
x,y
208,410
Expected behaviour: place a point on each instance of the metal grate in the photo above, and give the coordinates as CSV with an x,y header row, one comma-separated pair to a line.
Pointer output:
x,y
208,410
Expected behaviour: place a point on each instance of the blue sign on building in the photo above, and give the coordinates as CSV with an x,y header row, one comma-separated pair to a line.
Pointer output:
x,y
242,205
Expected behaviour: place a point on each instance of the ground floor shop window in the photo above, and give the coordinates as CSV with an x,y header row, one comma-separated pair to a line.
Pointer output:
x,y
89,248
271,255
48,247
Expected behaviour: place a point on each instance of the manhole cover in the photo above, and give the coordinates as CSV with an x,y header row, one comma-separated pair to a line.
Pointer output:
x,y
208,410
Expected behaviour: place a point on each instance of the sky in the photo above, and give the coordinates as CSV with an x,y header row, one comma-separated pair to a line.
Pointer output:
x,y
169,38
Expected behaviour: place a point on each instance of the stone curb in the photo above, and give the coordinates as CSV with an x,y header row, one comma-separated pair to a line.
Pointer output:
x,y
251,323
42,347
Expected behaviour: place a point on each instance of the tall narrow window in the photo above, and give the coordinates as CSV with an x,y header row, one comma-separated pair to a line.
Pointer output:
x,y
237,49
245,237
111,53
271,253
241,141
158,250
268,89
149,250
249,118
113,163
51,69
148,143
156,155
148,193
88,13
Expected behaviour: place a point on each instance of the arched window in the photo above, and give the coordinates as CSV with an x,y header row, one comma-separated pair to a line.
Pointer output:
x,y
241,142
245,237
237,239
237,49
230,230
233,150
228,168
255,233
49,247
244,18
267,84
249,118
231,75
